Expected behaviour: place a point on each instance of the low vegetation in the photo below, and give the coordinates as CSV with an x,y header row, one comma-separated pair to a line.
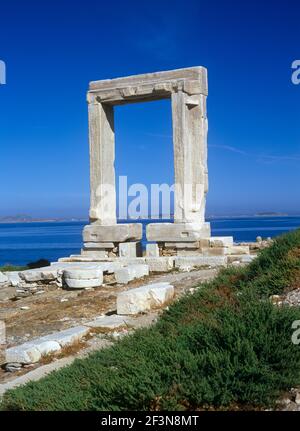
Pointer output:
x,y
31,265
7,268
224,346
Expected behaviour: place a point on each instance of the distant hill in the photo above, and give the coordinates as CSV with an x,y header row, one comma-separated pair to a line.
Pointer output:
x,y
270,214
17,218
23,218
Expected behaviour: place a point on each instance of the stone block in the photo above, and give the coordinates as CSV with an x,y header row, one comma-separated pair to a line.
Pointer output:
x,y
81,278
84,274
177,232
26,353
47,347
221,241
33,350
130,249
187,252
144,298
3,278
74,283
126,274
160,264
182,245
99,245
107,322
68,336
94,254
214,251
102,266
7,292
152,250
2,333
123,261
238,249
189,262
113,233
41,274
13,277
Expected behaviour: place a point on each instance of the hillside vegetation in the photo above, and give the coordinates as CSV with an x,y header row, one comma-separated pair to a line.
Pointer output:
x,y
224,346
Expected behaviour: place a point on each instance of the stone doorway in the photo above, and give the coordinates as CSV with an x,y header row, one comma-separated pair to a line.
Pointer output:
x,y
187,90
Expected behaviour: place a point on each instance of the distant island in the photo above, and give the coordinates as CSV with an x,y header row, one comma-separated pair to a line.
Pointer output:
x,y
28,219
24,218
270,214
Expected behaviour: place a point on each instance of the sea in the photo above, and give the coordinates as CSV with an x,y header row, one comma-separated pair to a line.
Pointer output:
x,y
22,243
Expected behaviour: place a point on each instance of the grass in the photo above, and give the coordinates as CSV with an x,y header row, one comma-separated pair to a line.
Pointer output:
x,y
223,347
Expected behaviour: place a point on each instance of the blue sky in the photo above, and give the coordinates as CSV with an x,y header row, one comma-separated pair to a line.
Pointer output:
x,y
52,50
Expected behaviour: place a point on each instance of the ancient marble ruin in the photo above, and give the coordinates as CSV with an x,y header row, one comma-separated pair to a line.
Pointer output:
x,y
187,91
112,256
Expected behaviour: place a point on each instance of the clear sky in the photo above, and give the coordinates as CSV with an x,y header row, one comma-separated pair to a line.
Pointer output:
x,y
52,50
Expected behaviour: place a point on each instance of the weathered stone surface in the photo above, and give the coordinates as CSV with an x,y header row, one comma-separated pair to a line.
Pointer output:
x,y
221,241
144,298
78,258
190,262
84,274
214,251
152,250
2,333
42,274
130,249
2,342
113,233
159,81
238,249
3,278
160,264
242,258
126,274
182,245
68,336
13,277
25,354
95,254
47,347
74,283
228,250
33,350
7,292
177,232
187,252
124,261
107,322
99,245
102,266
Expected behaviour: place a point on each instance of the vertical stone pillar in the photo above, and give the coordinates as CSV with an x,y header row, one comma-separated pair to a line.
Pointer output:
x,y
102,158
190,156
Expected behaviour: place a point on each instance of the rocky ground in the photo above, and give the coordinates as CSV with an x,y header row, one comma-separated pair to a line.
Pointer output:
x,y
52,309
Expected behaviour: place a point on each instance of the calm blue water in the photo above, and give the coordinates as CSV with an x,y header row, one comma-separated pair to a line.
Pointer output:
x,y
21,243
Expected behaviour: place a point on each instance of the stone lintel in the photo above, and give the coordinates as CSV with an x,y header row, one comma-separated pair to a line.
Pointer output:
x,y
177,232
149,86
114,233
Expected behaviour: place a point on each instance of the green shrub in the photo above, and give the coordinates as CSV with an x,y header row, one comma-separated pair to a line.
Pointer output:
x,y
7,268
